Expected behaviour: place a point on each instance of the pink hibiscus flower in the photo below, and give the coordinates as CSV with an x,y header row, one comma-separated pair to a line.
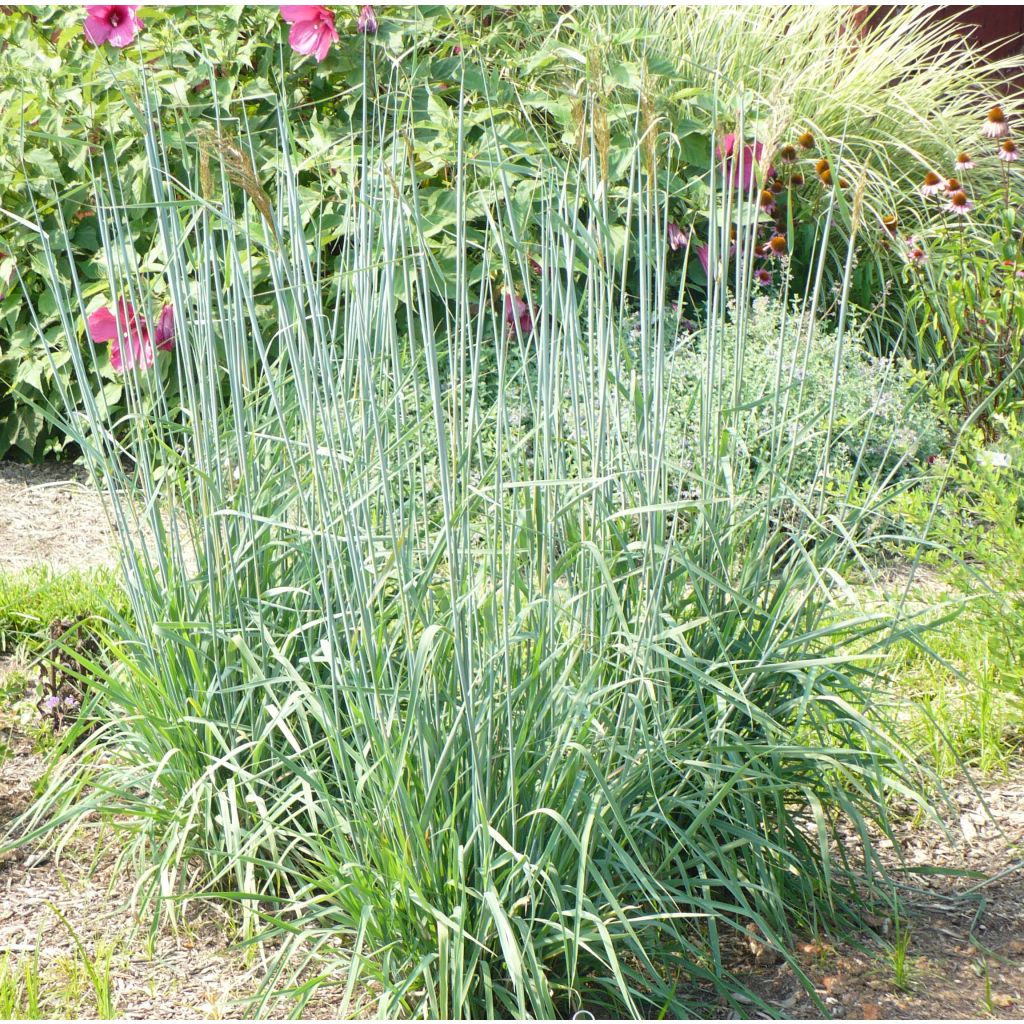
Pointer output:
x,y
116,24
131,343
517,310
751,157
312,29
366,23
163,335
675,236
704,255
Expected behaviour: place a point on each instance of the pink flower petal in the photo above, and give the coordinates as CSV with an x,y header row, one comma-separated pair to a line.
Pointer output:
x,y
122,34
302,12
325,36
163,336
304,37
96,30
102,326
117,24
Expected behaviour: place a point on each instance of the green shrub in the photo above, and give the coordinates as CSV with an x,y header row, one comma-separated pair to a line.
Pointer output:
x,y
844,411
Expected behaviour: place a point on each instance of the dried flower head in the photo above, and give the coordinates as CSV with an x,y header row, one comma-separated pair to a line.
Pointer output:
x,y
890,222
787,154
796,179
806,141
825,176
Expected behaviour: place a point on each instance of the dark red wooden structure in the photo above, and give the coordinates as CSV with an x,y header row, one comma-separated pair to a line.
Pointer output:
x,y
996,22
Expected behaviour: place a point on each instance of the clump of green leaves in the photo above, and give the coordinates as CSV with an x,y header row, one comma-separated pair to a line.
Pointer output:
x,y
838,410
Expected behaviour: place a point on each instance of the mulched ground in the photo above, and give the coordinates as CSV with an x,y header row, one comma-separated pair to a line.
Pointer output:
x,y
50,515
965,948
965,955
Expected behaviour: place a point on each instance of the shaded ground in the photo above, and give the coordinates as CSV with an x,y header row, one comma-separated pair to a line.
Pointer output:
x,y
964,935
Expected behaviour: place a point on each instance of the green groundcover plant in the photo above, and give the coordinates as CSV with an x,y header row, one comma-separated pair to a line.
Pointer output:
x,y
438,670
872,108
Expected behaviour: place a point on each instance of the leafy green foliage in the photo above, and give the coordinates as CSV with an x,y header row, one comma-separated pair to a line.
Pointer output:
x,y
865,413
967,684
31,600
541,85
972,291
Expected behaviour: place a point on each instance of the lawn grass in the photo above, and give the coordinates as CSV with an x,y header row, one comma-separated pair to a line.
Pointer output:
x,y
31,599
965,707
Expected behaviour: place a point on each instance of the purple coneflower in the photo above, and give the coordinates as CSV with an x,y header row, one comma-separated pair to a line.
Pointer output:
x,y
890,222
959,203
763,277
767,201
995,126
914,253
1008,150
806,141
932,184
777,245
964,162
787,154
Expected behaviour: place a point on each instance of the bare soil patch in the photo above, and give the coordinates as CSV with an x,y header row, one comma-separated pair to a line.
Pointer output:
x,y
51,515
964,933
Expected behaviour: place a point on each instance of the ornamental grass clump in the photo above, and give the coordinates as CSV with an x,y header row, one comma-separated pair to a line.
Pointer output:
x,y
436,671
